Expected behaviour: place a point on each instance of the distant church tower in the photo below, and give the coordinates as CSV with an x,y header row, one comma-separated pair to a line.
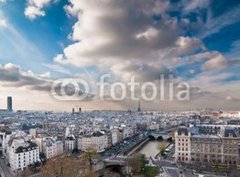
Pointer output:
x,y
139,106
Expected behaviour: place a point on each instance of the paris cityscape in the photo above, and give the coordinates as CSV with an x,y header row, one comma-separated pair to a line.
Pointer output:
x,y
116,88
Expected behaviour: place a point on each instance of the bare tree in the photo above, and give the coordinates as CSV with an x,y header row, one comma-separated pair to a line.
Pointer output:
x,y
67,166
137,163
27,172
89,156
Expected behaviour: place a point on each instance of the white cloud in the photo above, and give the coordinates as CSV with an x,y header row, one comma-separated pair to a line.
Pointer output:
x,y
3,20
13,75
212,60
217,61
3,23
196,4
149,34
123,38
32,12
114,33
186,45
57,68
35,8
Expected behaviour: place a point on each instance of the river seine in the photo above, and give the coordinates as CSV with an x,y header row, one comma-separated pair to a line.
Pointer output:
x,y
151,148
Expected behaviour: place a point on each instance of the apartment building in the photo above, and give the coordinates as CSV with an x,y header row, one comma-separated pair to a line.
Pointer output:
x,y
194,146
21,152
2,142
52,147
117,135
70,142
97,141
183,145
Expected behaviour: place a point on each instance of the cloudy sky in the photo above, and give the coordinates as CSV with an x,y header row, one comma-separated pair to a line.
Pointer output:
x,y
198,41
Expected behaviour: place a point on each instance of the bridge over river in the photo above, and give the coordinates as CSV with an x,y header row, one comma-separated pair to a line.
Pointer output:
x,y
121,159
160,135
116,161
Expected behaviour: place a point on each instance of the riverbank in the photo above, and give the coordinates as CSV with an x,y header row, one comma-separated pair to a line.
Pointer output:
x,y
151,148
137,147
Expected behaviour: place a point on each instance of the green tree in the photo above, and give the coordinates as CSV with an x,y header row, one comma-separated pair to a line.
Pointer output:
x,y
162,148
137,164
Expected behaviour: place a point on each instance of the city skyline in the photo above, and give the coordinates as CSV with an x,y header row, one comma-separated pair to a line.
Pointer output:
x,y
195,41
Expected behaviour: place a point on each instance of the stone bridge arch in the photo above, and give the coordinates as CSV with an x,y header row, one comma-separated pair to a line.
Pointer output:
x,y
160,137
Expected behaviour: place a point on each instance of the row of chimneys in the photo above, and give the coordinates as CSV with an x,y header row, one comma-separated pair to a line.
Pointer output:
x,y
79,110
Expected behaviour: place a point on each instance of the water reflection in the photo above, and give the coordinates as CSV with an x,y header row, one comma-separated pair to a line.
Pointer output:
x,y
151,148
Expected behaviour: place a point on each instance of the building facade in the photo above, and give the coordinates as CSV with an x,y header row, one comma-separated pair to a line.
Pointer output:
x,y
96,141
183,145
70,143
117,135
195,147
52,147
2,143
21,153
9,104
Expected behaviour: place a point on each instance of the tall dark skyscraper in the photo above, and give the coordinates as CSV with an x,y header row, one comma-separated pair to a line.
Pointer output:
x,y
9,103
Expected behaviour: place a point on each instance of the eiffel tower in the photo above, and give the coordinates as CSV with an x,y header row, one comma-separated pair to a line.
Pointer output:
x,y
139,106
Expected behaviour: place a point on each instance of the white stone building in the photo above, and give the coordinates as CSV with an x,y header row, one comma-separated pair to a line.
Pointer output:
x,y
153,126
127,132
198,145
182,145
96,141
117,135
2,143
33,132
70,143
52,147
21,151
